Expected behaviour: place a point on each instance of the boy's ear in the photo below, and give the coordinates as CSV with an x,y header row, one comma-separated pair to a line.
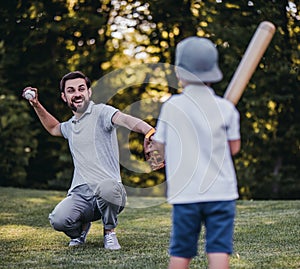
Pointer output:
x,y
63,97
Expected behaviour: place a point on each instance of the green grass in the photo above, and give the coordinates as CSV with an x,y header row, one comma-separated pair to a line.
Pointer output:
x,y
266,235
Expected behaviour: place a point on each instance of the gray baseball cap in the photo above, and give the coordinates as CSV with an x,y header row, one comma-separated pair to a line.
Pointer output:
x,y
196,60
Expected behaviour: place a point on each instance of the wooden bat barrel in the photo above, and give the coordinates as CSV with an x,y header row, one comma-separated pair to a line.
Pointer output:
x,y
256,48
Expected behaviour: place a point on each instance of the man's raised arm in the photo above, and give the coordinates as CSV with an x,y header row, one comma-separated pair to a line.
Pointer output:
x,y
51,124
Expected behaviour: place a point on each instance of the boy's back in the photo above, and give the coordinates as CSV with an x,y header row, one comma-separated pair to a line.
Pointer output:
x,y
196,126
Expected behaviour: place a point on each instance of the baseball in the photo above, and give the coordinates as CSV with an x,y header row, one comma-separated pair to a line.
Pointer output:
x,y
29,94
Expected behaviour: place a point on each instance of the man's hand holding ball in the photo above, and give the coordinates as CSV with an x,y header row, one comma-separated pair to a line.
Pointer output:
x,y
30,94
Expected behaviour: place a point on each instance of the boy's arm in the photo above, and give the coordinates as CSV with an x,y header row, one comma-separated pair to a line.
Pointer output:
x,y
234,139
235,146
51,124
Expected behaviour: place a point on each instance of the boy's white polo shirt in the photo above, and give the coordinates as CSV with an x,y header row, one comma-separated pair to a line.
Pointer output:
x,y
195,127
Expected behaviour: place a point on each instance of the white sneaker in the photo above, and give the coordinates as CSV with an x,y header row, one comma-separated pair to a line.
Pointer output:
x,y
111,241
80,240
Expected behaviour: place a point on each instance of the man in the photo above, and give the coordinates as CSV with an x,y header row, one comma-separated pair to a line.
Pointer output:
x,y
199,132
96,190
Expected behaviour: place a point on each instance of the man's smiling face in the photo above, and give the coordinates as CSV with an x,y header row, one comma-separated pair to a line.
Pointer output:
x,y
76,95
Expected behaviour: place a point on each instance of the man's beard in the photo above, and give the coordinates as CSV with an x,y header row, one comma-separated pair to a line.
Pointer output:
x,y
74,108
85,104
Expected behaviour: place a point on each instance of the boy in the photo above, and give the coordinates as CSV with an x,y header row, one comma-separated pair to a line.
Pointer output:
x,y
198,133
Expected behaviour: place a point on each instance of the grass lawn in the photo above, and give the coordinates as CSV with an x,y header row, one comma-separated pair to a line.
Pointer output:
x,y
266,235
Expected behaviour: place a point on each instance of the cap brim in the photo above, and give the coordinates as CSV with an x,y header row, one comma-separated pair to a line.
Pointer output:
x,y
213,75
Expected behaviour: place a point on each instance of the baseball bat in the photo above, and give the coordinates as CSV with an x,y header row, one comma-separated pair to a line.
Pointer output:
x,y
249,62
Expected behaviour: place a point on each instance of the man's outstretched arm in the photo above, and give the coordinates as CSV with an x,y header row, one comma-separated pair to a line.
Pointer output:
x,y
131,123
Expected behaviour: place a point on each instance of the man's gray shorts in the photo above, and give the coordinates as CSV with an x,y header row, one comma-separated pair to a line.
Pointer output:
x,y
82,205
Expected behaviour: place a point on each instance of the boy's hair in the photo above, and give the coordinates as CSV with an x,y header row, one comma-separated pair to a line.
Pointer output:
x,y
73,75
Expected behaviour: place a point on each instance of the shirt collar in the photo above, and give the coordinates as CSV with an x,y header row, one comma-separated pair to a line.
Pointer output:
x,y
198,89
89,108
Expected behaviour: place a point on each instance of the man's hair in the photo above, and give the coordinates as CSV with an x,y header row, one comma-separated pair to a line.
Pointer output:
x,y
73,75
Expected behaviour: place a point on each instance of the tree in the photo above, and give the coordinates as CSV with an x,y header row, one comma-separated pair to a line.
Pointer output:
x,y
270,104
130,46
41,41
18,144
267,164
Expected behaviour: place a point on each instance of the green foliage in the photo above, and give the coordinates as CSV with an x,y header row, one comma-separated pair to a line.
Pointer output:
x,y
18,140
42,40
267,165
269,118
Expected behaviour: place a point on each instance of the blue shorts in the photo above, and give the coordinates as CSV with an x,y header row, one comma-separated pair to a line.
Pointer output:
x,y
218,219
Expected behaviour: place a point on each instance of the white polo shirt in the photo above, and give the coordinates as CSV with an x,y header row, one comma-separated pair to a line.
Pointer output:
x,y
195,127
94,146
